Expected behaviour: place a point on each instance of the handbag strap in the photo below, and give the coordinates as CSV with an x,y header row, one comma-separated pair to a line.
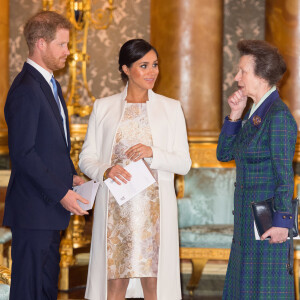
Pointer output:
x,y
290,264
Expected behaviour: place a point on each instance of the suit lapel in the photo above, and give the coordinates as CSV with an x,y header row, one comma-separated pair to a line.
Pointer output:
x,y
259,115
253,124
50,98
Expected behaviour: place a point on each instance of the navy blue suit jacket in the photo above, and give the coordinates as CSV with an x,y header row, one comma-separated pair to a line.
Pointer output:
x,y
42,171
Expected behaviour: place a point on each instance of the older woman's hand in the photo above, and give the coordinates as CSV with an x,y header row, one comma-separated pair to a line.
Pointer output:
x,y
277,234
117,173
139,151
237,102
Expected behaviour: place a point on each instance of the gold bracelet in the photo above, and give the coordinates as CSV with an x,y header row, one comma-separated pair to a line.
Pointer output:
x,y
105,175
233,120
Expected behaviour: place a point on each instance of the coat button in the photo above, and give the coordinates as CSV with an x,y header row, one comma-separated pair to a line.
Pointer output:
x,y
242,186
233,212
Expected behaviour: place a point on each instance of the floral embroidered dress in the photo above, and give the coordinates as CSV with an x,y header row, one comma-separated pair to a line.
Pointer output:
x,y
133,228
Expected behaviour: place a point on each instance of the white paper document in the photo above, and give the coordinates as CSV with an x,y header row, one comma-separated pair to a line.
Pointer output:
x,y
257,237
87,190
141,178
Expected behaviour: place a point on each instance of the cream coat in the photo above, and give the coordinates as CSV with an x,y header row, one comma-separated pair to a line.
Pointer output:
x,y
170,155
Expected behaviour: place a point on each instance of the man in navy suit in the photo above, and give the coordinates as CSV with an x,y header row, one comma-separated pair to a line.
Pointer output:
x,y
39,195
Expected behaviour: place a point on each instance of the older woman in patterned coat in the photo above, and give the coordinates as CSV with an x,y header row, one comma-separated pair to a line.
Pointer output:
x,y
262,145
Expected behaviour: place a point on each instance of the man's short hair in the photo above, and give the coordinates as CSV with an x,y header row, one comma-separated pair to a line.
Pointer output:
x,y
44,25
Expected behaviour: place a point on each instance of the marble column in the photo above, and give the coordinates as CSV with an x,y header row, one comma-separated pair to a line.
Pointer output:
x,y
188,37
4,80
283,31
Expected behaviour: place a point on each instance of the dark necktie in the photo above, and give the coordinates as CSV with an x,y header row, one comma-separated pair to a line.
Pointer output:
x,y
58,104
55,93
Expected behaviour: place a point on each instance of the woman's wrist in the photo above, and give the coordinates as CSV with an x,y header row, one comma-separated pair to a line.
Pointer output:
x,y
234,118
105,174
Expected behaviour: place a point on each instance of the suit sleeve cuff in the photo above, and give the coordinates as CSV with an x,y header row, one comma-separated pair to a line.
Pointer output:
x,y
231,128
281,219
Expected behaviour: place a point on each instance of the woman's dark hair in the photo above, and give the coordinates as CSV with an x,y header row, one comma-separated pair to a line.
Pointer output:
x,y
132,51
269,63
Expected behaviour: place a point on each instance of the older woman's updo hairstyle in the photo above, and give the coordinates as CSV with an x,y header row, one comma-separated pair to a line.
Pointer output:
x,y
269,63
132,51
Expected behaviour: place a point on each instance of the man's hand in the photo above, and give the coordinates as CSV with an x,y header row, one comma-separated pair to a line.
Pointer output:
x,y
69,202
77,180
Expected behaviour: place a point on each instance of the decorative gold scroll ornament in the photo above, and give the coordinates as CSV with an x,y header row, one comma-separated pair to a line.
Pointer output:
x,y
81,16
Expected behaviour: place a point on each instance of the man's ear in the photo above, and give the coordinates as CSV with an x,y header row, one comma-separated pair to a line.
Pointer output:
x,y
125,70
40,43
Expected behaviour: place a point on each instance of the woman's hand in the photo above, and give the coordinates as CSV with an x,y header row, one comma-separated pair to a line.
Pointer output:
x,y
117,174
237,102
139,151
277,234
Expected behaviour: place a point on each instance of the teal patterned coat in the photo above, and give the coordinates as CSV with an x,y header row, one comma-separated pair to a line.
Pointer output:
x,y
263,149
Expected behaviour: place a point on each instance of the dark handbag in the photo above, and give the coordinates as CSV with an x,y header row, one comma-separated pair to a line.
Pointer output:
x,y
263,216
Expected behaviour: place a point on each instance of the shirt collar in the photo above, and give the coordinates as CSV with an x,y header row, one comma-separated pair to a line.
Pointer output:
x,y
124,93
264,97
257,118
46,74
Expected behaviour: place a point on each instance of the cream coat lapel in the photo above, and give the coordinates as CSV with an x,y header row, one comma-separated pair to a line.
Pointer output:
x,y
156,117
111,117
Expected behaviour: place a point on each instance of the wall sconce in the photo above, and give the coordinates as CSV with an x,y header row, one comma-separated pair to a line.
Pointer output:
x,y
81,16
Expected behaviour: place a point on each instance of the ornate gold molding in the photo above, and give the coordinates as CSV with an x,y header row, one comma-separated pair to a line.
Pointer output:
x,y
297,149
179,186
82,16
204,155
77,133
5,275
4,66
206,253
203,152
3,142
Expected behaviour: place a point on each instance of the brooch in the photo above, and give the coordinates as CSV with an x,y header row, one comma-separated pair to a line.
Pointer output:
x,y
256,120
